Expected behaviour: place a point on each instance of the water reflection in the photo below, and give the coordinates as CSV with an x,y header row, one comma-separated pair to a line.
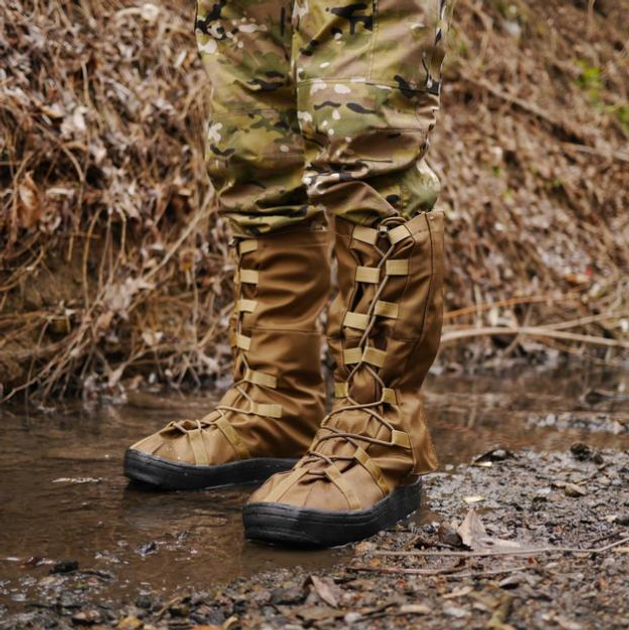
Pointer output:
x,y
63,495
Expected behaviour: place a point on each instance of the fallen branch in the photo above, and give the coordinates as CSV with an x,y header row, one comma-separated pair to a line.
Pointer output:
x,y
514,552
450,572
514,301
531,331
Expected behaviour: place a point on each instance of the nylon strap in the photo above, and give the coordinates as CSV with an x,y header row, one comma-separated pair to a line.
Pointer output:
x,y
268,411
248,276
352,355
242,342
373,356
336,477
246,306
397,267
370,275
387,309
250,245
400,438
278,492
341,390
260,378
365,234
389,396
398,234
240,448
195,438
373,469
356,320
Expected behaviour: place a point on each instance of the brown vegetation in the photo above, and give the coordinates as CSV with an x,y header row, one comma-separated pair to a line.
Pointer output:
x,y
114,269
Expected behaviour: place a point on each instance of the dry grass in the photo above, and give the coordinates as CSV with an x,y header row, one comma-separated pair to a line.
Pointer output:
x,y
113,267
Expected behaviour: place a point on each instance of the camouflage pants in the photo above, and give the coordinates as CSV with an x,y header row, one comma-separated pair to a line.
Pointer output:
x,y
321,105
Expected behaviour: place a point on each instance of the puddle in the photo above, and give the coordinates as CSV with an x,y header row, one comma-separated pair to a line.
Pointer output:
x,y
62,494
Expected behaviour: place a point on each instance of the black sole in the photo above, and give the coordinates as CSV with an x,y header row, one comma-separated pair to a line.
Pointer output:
x,y
170,475
289,525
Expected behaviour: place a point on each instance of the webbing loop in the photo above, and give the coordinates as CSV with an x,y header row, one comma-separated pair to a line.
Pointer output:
x,y
260,378
246,306
397,267
370,275
398,234
386,309
341,390
352,355
373,356
243,342
400,438
269,411
365,234
246,246
372,468
359,321
248,276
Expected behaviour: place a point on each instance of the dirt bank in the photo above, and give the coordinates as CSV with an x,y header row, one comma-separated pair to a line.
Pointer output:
x,y
113,266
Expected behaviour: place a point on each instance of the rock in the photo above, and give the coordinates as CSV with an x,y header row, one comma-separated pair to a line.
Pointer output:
x,y
352,617
572,490
87,617
287,596
495,455
65,566
129,623
455,611
581,452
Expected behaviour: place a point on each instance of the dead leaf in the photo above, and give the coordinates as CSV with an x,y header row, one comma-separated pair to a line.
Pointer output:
x,y
28,208
472,531
572,490
326,590
474,535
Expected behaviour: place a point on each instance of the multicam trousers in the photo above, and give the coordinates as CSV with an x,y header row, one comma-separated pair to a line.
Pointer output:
x,y
321,106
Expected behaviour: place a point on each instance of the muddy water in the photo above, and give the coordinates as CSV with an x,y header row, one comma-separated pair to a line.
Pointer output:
x,y
62,495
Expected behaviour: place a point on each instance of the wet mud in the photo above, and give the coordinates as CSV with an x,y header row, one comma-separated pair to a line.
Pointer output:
x,y
81,547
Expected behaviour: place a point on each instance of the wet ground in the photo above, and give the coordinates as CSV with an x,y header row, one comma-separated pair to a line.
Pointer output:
x,y
78,546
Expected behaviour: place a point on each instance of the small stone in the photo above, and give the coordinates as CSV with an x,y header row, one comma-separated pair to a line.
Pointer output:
x,y
129,623
352,617
455,611
86,617
572,490
65,566
581,452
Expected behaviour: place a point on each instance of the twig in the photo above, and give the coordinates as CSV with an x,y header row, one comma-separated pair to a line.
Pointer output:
x,y
531,331
404,570
450,572
514,552
514,301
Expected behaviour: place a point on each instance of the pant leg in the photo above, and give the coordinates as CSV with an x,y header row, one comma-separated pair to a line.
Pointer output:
x,y
368,82
254,149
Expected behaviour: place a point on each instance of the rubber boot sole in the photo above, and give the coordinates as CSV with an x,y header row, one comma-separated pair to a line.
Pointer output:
x,y
279,523
169,475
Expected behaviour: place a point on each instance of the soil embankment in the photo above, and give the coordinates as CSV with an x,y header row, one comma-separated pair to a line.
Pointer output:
x,y
113,267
